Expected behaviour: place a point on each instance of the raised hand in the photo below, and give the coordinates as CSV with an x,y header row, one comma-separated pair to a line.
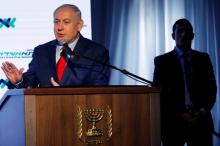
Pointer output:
x,y
12,72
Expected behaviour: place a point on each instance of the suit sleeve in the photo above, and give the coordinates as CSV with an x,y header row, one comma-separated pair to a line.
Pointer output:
x,y
211,88
156,76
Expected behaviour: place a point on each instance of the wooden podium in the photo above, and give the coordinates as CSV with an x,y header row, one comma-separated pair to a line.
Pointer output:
x,y
79,116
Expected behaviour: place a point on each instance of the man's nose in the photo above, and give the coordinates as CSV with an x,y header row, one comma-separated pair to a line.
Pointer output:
x,y
183,33
60,26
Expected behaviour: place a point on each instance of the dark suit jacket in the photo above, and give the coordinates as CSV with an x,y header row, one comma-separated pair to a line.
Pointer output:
x,y
79,71
168,75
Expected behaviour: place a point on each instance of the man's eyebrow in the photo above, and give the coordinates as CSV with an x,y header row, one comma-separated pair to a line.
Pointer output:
x,y
66,19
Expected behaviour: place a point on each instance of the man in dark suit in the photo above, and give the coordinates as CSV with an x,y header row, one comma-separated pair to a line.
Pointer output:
x,y
76,70
188,91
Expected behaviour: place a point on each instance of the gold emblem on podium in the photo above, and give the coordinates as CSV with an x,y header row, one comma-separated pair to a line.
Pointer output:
x,y
94,134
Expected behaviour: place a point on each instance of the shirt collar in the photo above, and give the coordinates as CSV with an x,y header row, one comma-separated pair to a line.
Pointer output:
x,y
180,53
71,45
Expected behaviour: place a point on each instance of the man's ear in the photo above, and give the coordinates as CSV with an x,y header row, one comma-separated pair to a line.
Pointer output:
x,y
192,36
80,25
173,36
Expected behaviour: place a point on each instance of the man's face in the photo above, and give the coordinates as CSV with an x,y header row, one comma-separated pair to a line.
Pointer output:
x,y
66,25
183,37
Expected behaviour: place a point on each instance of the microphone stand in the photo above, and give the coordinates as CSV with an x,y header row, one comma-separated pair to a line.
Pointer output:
x,y
123,71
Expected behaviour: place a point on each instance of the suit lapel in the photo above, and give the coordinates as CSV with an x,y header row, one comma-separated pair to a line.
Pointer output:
x,y
176,66
52,60
175,61
80,46
195,61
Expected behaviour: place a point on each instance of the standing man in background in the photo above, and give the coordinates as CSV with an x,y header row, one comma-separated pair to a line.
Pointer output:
x,y
188,91
50,65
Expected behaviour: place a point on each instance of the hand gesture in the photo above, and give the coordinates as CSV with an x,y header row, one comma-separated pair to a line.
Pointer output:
x,y
53,82
12,72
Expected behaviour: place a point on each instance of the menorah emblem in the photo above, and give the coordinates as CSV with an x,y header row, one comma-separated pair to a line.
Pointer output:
x,y
94,116
94,135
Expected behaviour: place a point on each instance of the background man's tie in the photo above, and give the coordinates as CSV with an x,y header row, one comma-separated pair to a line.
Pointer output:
x,y
187,70
188,76
61,64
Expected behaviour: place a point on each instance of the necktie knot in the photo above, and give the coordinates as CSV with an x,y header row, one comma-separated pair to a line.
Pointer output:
x,y
185,56
63,51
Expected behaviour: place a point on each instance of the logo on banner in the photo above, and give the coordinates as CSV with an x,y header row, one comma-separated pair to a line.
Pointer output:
x,y
13,54
4,84
7,22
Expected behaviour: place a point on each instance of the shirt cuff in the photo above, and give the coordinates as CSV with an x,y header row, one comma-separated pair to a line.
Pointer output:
x,y
18,83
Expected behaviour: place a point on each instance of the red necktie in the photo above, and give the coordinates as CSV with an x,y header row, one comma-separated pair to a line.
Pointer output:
x,y
61,65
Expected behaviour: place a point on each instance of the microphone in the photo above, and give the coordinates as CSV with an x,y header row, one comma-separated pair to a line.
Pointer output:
x,y
70,54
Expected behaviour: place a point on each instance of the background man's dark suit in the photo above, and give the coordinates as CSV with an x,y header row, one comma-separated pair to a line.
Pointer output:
x,y
168,75
80,72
